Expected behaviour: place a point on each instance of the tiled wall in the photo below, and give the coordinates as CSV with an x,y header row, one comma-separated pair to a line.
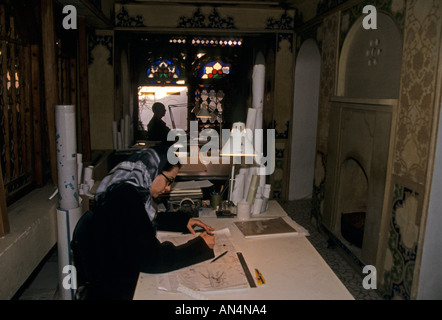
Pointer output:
x,y
420,22
413,148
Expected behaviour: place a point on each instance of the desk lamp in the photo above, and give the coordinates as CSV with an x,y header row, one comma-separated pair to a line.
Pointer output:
x,y
239,147
181,105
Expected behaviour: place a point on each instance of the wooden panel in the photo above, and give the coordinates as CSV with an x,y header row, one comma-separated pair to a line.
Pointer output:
x,y
14,104
50,78
4,71
25,87
36,115
84,90
73,80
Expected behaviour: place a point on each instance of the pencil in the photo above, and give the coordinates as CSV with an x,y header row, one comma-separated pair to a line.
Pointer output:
x,y
220,256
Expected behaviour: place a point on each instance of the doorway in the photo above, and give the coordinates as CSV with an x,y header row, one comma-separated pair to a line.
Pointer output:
x,y
174,99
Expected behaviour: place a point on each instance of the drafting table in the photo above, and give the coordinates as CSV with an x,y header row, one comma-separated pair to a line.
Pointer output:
x,y
291,266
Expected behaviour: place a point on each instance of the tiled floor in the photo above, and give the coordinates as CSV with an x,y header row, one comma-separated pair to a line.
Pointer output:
x,y
346,271
45,284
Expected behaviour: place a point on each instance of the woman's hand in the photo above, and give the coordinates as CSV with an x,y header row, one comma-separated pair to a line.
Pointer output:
x,y
209,239
195,222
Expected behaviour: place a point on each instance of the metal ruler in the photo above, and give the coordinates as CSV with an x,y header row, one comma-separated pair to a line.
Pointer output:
x,y
246,270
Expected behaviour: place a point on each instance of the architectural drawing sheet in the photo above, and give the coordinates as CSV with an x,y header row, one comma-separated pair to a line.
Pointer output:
x,y
222,274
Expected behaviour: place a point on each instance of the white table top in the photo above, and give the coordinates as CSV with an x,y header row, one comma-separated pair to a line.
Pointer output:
x,y
291,266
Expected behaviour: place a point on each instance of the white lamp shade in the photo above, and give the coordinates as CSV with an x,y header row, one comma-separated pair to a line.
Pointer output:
x,y
238,144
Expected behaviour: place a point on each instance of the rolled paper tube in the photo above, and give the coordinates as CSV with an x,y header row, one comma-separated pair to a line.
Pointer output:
x,y
253,188
258,81
257,206
85,188
258,144
250,124
79,167
251,118
248,179
66,222
258,119
266,191
67,170
88,173
265,202
238,189
80,172
262,182
243,210
258,192
90,183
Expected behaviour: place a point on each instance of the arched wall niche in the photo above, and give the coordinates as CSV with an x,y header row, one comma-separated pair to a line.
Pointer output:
x,y
305,117
353,188
370,61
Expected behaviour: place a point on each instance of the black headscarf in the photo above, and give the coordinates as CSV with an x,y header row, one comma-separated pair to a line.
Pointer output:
x,y
140,169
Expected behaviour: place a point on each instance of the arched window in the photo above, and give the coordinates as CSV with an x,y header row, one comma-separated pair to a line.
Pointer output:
x,y
208,67
214,70
166,71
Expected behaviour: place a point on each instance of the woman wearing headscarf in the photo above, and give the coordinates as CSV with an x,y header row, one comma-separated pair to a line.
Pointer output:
x,y
125,222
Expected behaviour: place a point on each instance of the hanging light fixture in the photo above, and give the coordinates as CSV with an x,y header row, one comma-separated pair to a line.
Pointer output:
x,y
204,112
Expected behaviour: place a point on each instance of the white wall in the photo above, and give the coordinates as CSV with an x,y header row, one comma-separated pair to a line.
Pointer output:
x,y
101,96
33,233
305,115
370,62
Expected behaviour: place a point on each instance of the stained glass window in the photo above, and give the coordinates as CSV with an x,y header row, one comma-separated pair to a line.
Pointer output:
x,y
215,42
214,70
211,99
166,71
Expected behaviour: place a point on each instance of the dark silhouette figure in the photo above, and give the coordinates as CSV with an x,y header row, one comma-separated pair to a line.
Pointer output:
x,y
157,129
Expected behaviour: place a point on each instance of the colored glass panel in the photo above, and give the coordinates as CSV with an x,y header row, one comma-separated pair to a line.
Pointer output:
x,y
165,71
214,70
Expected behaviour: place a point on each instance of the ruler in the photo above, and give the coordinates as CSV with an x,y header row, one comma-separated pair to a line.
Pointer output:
x,y
246,270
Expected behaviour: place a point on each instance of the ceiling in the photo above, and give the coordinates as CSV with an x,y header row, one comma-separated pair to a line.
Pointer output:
x,y
97,19
287,4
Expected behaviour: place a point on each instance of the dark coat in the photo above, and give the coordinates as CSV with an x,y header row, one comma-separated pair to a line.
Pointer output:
x,y
124,243
157,130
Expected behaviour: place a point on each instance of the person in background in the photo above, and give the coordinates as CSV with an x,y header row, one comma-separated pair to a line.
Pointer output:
x,y
157,129
125,221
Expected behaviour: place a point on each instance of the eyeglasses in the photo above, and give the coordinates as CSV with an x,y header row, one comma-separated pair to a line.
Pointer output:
x,y
169,181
